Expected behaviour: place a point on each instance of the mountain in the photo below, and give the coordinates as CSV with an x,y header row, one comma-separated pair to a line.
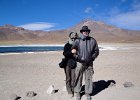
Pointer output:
x,y
99,30
107,33
17,35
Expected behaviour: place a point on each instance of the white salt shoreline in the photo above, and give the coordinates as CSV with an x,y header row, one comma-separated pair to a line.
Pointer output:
x,y
15,53
18,53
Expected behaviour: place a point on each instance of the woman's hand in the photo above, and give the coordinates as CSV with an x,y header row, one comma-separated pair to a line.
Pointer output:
x,y
73,51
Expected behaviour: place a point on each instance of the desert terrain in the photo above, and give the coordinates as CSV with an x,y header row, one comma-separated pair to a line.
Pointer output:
x,y
24,72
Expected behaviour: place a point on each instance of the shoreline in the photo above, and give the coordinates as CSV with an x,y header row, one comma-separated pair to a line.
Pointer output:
x,y
102,47
17,53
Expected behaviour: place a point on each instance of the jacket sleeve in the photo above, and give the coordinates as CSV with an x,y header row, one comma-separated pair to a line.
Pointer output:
x,y
95,51
67,51
75,44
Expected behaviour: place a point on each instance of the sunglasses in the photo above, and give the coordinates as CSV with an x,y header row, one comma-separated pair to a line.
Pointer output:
x,y
85,31
73,39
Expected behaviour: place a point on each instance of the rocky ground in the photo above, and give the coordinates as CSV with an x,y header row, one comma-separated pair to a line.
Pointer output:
x,y
28,76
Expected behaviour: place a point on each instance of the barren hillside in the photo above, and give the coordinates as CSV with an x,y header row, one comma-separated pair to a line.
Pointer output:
x,y
99,30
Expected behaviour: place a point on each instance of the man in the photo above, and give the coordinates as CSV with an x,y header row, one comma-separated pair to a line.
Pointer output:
x,y
71,64
86,50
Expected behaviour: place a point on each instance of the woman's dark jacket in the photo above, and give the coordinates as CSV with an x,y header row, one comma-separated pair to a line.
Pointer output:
x,y
69,56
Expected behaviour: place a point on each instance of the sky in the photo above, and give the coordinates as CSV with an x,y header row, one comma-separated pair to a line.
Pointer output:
x,y
61,14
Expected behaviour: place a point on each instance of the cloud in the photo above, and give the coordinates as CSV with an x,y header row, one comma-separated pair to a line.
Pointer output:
x,y
127,20
88,10
38,26
114,11
89,13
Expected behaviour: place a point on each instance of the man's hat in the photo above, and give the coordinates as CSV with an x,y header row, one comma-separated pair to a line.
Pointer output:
x,y
85,28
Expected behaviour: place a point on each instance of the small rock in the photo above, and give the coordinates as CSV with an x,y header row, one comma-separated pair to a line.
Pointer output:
x,y
112,84
14,97
31,94
51,90
128,84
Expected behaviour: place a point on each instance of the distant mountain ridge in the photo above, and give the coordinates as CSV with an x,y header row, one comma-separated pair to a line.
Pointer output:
x,y
107,33
99,30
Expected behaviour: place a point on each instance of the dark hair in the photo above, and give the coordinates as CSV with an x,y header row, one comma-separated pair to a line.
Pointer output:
x,y
72,33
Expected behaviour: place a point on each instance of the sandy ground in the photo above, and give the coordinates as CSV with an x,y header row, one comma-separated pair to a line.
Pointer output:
x,y
20,73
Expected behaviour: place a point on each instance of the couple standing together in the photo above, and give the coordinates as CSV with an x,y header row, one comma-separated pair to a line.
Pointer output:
x,y
81,52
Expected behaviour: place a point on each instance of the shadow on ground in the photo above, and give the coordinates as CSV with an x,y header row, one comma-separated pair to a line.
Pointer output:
x,y
98,86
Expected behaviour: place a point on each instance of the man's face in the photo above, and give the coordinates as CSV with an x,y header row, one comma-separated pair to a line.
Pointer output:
x,y
85,33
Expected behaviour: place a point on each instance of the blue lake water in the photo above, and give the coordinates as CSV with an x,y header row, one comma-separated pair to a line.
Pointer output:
x,y
20,49
43,48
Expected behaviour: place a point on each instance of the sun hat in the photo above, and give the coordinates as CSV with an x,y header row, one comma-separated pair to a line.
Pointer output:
x,y
85,28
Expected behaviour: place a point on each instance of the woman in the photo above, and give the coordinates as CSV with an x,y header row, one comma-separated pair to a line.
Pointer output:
x,y
71,64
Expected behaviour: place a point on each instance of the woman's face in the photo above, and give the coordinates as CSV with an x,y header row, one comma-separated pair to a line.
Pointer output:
x,y
73,37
